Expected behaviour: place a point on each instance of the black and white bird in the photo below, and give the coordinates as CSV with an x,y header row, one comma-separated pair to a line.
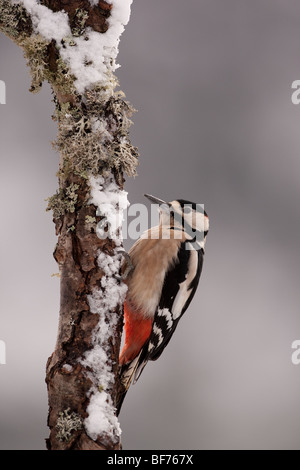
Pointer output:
x,y
166,266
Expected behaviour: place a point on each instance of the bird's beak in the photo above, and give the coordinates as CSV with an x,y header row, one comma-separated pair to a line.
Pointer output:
x,y
156,200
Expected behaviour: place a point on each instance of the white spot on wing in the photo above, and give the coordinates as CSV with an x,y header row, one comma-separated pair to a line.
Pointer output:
x,y
180,299
164,312
157,331
184,293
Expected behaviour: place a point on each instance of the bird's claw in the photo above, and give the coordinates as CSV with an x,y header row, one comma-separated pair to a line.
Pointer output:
x,y
129,265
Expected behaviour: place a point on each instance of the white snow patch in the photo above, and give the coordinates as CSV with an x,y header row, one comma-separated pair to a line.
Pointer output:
x,y
111,202
90,57
51,25
100,418
103,301
113,291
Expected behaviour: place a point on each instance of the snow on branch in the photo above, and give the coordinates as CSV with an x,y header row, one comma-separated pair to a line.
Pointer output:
x,y
101,411
104,301
91,57
111,202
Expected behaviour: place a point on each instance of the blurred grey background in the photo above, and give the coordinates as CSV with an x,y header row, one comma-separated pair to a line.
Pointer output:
x,y
211,80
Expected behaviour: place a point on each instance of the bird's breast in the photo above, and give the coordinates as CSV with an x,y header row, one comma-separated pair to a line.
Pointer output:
x,y
151,259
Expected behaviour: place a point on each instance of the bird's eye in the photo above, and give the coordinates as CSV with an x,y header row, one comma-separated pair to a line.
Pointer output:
x,y
187,209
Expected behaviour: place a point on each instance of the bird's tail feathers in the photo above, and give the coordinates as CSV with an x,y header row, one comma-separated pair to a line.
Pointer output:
x,y
139,370
127,375
128,372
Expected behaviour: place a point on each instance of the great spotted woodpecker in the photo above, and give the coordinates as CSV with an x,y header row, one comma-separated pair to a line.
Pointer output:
x,y
166,266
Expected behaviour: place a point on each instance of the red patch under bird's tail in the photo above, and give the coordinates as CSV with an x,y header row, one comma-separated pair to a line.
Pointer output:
x,y
137,331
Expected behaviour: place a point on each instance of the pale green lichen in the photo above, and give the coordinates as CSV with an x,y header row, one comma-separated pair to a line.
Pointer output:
x,y
66,424
63,79
93,133
15,22
78,22
95,140
63,201
90,220
92,139
35,50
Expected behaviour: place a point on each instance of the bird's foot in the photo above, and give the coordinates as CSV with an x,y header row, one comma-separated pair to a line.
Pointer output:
x,y
128,263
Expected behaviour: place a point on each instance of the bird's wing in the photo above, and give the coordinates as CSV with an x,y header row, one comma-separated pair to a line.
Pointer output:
x,y
179,287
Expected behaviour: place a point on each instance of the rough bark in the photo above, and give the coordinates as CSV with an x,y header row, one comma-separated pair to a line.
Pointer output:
x,y
68,381
68,388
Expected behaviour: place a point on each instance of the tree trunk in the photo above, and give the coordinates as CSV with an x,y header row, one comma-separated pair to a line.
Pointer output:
x,y
63,41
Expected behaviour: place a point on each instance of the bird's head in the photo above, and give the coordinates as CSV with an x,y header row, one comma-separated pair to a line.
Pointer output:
x,y
185,216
